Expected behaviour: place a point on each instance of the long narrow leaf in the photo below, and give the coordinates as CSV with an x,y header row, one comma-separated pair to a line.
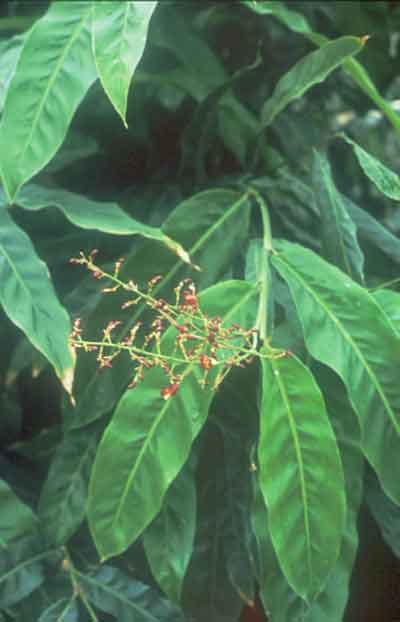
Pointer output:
x,y
310,70
345,329
300,475
28,298
149,439
54,72
339,238
119,38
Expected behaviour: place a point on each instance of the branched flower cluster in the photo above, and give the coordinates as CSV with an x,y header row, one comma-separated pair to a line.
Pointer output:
x,y
197,339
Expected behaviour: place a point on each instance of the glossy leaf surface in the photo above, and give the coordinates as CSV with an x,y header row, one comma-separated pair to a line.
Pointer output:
x,y
339,237
310,70
300,475
149,439
28,298
53,74
119,39
345,329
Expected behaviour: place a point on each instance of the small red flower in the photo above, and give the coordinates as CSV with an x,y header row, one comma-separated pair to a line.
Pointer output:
x,y
206,362
167,392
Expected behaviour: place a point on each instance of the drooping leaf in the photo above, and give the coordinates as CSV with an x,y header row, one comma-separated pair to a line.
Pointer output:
x,y
62,503
53,74
21,569
339,237
168,540
373,231
126,599
16,518
310,70
384,179
292,19
149,439
63,610
345,329
385,513
119,38
89,214
212,226
301,475
28,298
278,597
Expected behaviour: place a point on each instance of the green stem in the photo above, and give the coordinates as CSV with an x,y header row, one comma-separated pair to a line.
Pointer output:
x,y
386,284
262,313
78,591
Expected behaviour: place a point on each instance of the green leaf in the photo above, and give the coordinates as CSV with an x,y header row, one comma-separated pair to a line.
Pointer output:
x,y
208,592
63,610
62,503
339,238
212,225
390,303
310,70
148,439
384,179
28,298
345,329
292,19
168,540
10,51
301,475
16,518
89,214
54,72
126,599
278,597
21,569
119,38
385,513
373,231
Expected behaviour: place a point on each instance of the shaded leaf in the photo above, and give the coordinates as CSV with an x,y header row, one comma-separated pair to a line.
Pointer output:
x,y
119,38
373,231
345,329
126,599
384,179
54,72
28,298
149,439
385,513
168,540
310,70
301,475
21,569
339,238
16,518
62,503
64,610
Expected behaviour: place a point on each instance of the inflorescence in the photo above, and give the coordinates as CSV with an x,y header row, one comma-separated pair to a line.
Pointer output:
x,y
194,339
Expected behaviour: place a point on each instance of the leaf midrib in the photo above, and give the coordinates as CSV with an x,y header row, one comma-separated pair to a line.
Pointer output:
x,y
347,337
156,423
303,487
